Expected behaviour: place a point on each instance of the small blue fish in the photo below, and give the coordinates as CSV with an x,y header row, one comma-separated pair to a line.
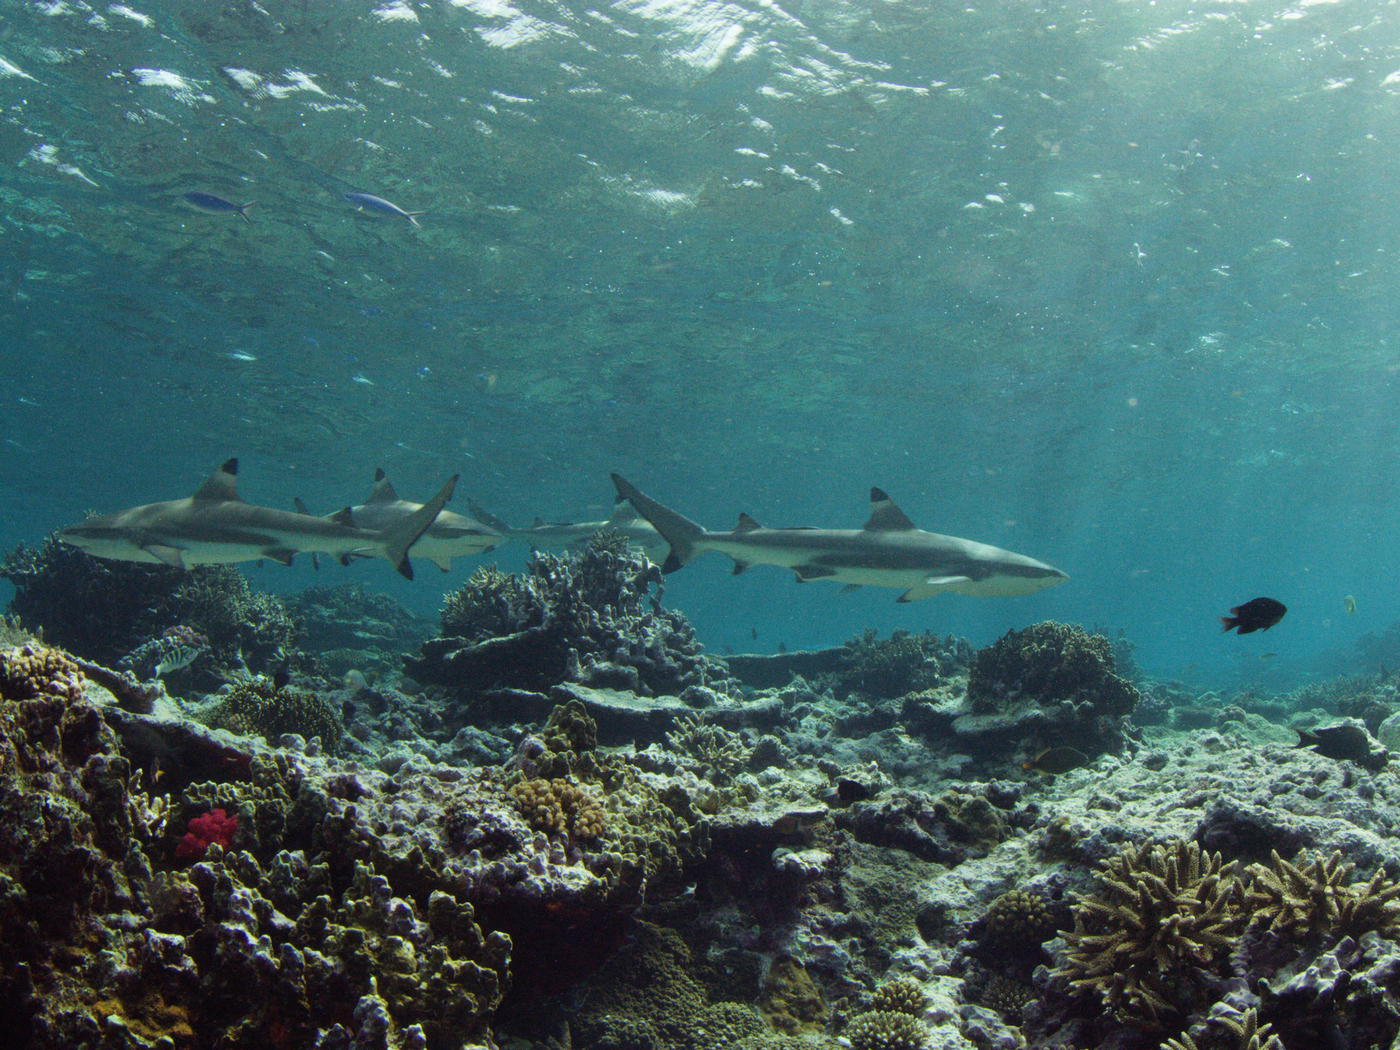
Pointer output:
x,y
379,204
212,205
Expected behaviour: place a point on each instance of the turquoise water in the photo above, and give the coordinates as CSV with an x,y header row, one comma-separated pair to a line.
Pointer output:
x,y
1108,284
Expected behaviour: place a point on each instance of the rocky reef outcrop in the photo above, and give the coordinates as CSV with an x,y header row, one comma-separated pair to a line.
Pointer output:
x,y
588,617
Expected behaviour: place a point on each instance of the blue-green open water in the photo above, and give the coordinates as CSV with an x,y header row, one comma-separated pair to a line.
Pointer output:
x,y
1110,284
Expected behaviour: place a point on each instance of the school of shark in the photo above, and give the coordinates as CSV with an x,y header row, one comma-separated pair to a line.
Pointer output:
x,y
216,526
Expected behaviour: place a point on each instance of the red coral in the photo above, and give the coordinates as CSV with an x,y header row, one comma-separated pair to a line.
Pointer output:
x,y
214,826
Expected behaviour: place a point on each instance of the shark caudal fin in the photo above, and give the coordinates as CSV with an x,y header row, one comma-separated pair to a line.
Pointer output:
x,y
398,539
680,532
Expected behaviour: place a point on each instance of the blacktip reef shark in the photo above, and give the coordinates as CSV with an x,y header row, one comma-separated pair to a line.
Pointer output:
x,y
889,552
571,535
449,536
215,527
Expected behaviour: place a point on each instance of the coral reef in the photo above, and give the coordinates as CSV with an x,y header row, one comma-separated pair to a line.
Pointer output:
x,y
1164,912
1048,663
586,617
103,610
891,667
346,628
256,707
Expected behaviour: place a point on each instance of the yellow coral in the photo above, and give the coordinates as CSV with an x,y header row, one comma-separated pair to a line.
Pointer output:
x,y
557,806
34,671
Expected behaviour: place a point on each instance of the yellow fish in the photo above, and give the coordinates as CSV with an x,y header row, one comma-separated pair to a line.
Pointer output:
x,y
1349,604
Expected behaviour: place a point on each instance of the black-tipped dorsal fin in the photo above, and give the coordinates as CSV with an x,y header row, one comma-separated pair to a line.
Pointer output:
x,y
746,524
622,511
344,516
885,516
382,491
221,486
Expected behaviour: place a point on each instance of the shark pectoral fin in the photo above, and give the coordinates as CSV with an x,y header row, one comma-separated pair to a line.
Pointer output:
x,y
933,585
849,588
812,572
739,566
283,555
445,564
885,516
162,552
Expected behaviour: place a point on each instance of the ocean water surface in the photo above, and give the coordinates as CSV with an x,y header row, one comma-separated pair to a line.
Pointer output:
x,y
1109,284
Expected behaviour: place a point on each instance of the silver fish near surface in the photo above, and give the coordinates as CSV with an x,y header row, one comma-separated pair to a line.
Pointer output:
x,y
888,552
216,527
212,204
379,204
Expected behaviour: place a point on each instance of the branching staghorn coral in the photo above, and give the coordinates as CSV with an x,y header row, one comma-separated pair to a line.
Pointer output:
x,y
1163,911
1316,900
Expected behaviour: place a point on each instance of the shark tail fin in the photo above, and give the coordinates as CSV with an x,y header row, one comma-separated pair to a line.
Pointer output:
x,y
404,535
679,531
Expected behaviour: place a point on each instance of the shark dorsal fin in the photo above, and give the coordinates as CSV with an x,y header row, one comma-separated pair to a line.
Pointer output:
x,y
300,506
622,511
885,516
382,491
344,516
221,486
538,523
746,524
